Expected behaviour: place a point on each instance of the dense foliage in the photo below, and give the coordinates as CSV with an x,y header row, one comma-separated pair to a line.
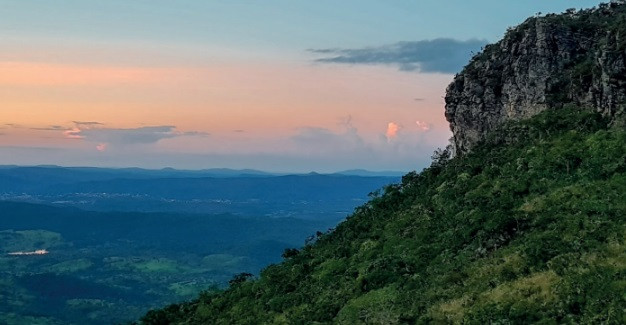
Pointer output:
x,y
529,227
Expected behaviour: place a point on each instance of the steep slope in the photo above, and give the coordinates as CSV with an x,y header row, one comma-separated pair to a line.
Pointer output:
x,y
576,57
528,231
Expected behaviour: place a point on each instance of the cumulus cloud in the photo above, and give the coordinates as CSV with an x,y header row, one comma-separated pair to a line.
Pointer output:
x,y
392,131
440,55
396,145
395,137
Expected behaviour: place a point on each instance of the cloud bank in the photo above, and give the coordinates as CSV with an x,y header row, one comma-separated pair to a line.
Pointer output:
x,y
396,146
440,55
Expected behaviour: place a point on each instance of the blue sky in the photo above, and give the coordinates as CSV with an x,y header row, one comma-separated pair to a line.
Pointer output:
x,y
272,25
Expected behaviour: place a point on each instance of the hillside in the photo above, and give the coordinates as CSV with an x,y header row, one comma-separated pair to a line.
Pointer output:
x,y
530,231
526,225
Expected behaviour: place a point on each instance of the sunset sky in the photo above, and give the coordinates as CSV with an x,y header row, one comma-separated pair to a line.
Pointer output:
x,y
276,85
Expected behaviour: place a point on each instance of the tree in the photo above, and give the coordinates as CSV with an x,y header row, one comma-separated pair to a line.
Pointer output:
x,y
239,278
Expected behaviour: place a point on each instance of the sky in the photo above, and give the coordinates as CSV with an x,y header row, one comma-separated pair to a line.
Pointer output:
x,y
275,85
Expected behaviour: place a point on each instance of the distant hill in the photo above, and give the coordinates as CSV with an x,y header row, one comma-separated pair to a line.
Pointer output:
x,y
52,175
330,196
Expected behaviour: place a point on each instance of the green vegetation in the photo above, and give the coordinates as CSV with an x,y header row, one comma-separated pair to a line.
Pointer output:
x,y
528,228
110,268
70,266
227,262
28,240
146,265
16,319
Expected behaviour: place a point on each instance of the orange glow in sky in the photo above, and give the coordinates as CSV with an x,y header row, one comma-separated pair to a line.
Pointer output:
x,y
227,109
259,100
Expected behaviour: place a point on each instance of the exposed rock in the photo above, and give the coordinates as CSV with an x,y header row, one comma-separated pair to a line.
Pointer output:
x,y
575,57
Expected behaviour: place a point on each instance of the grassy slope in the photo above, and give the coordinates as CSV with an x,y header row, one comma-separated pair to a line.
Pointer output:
x,y
530,227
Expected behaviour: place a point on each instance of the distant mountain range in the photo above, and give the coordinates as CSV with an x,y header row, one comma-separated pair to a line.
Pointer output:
x,y
246,191
135,172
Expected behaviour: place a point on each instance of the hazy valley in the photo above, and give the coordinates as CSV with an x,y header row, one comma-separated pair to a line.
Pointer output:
x,y
120,246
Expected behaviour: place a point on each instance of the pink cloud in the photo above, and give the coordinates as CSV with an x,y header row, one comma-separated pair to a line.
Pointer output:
x,y
424,126
74,133
392,131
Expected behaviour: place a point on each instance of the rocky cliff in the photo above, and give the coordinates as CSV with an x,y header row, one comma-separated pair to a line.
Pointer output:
x,y
578,57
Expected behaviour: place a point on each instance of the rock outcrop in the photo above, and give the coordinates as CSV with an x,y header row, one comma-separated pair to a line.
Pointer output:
x,y
572,58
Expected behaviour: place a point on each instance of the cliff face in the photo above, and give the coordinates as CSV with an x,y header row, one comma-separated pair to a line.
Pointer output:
x,y
546,62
